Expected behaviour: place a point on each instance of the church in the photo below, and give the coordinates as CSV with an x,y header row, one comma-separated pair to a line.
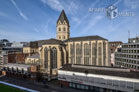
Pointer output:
x,y
52,54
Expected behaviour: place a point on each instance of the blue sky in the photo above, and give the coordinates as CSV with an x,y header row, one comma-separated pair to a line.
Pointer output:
x,y
29,20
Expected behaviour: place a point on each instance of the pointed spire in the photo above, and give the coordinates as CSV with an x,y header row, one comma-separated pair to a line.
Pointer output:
x,y
63,17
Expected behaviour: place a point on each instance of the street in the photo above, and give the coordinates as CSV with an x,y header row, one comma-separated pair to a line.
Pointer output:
x,y
38,86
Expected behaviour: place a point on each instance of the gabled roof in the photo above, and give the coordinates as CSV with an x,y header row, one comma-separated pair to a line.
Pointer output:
x,y
36,44
85,38
63,17
32,44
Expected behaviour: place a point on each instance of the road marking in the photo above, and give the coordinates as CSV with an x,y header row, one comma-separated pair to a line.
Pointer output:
x,y
23,88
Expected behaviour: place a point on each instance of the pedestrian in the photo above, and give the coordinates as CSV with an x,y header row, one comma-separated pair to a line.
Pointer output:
x,y
44,82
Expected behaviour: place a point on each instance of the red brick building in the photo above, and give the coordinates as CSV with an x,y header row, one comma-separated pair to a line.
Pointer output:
x,y
17,57
113,48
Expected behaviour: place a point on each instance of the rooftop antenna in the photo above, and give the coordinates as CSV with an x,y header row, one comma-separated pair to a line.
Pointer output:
x,y
129,34
136,35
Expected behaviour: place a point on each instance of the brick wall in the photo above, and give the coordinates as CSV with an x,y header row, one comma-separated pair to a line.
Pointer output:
x,y
16,57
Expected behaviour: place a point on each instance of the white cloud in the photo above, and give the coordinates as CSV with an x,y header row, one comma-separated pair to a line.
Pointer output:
x,y
117,2
54,4
87,15
90,24
94,3
69,6
19,11
36,30
45,29
133,4
72,7
3,14
12,36
75,19
93,22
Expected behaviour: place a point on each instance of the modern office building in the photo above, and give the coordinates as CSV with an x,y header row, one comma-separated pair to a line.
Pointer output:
x,y
99,79
12,53
128,55
15,47
4,43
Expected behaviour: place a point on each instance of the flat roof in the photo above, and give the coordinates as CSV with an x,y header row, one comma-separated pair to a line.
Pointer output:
x,y
17,65
111,71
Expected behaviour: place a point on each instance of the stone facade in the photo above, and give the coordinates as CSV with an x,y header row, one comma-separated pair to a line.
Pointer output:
x,y
93,52
63,27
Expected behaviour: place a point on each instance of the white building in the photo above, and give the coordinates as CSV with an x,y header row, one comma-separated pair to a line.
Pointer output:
x,y
99,79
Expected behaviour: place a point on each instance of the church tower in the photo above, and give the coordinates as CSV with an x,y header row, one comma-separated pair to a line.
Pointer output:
x,y
63,27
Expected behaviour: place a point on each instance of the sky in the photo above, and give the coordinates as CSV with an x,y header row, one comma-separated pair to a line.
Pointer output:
x,y
30,20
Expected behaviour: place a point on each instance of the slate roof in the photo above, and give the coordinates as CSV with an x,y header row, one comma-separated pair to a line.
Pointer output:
x,y
50,41
114,42
85,38
63,17
39,43
119,72
32,44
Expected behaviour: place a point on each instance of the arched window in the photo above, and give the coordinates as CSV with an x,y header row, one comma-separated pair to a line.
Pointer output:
x,y
54,58
99,54
72,53
63,37
59,29
93,54
46,58
59,37
64,29
78,54
86,54
104,53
